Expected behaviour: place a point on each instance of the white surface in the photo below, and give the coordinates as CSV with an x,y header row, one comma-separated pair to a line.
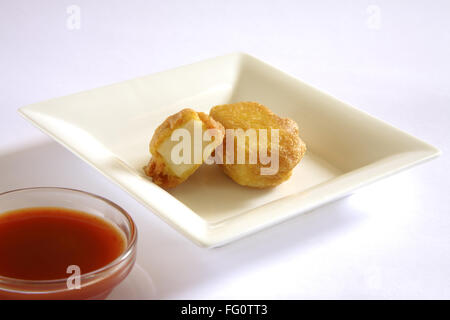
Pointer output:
x,y
390,240
347,148
138,285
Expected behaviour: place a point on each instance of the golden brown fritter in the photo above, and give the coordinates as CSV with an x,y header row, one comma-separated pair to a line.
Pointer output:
x,y
161,167
252,115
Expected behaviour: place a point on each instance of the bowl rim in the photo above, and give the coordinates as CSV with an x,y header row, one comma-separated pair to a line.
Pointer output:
x,y
131,245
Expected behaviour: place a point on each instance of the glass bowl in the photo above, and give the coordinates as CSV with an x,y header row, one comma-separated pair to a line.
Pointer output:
x,y
96,284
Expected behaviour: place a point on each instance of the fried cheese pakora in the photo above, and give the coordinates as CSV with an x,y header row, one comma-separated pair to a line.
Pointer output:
x,y
173,162
284,149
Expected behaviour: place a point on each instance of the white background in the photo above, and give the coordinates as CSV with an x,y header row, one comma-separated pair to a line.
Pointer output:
x,y
389,58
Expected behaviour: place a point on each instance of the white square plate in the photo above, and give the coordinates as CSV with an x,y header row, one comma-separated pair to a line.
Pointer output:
x,y
111,127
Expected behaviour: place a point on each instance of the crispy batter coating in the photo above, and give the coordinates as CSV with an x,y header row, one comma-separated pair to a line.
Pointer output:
x,y
252,115
158,168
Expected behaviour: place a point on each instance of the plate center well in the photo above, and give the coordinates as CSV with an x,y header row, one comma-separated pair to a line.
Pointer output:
x,y
215,197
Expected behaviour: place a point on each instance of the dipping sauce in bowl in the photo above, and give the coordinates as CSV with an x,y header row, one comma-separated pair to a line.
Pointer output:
x,y
76,246
40,243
